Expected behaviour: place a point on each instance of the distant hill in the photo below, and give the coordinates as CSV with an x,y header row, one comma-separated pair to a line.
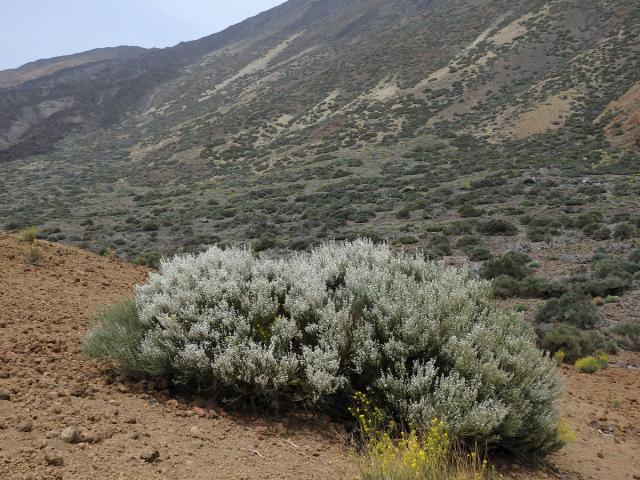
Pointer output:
x,y
369,104
43,68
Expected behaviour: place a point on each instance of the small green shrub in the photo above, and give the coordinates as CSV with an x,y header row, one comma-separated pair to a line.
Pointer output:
x,y
628,334
29,234
468,211
573,342
590,218
607,267
611,285
498,227
624,231
107,251
602,233
441,243
300,244
148,259
33,256
559,357
406,240
592,364
458,228
537,287
505,286
404,213
539,234
469,241
478,254
150,227
511,264
572,308
590,230
265,242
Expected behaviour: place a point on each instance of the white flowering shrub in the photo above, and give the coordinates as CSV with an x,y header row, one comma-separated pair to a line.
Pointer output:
x,y
422,339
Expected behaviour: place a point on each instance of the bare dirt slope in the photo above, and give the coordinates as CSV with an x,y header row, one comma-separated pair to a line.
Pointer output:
x,y
48,391
44,313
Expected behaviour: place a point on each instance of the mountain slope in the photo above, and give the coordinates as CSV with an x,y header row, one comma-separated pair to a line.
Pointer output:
x,y
42,68
322,118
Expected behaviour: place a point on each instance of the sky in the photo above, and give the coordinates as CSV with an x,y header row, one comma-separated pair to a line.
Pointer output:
x,y
35,29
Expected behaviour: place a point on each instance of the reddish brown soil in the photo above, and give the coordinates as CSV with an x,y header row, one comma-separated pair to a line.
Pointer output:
x,y
45,312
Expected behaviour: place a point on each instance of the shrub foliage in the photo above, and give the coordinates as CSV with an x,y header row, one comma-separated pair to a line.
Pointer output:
x,y
422,339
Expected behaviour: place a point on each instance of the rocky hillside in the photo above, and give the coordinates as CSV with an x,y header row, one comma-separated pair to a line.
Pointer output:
x,y
323,118
65,416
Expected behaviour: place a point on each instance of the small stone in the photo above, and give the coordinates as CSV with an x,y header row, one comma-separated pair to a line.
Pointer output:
x,y
150,455
53,458
78,391
201,412
600,455
71,435
5,395
25,426
172,403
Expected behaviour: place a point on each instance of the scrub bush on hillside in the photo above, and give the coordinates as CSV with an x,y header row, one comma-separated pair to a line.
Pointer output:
x,y
423,340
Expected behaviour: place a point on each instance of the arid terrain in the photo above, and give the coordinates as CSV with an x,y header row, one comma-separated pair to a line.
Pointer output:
x,y
498,136
65,416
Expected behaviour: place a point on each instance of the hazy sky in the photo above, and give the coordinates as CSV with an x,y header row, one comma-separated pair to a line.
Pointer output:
x,y
35,29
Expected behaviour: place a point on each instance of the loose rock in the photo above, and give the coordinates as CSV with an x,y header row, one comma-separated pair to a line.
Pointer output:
x,y
71,435
53,458
150,455
25,426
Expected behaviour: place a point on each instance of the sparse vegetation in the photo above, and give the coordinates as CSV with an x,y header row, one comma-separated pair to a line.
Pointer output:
x,y
574,343
592,364
511,264
29,234
572,308
148,259
33,256
430,455
628,334
498,227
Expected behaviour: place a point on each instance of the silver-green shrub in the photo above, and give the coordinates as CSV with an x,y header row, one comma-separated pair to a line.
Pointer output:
x,y
422,339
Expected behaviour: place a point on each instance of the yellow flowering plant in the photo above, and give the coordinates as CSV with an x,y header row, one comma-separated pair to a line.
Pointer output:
x,y
413,455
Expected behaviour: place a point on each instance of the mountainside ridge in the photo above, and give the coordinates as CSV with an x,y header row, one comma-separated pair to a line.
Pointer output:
x,y
377,103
